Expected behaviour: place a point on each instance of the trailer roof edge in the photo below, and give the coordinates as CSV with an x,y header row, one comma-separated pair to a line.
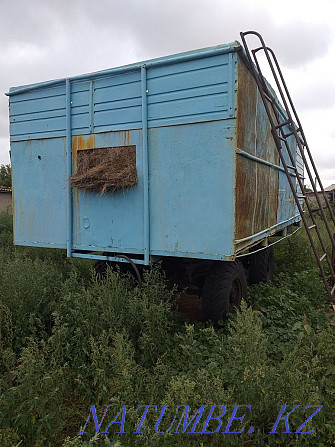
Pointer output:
x,y
165,60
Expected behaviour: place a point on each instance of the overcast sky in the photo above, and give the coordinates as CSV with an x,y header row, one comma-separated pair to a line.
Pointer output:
x,y
48,39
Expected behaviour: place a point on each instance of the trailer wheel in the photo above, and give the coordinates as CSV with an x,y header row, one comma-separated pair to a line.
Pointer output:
x,y
224,287
261,266
100,268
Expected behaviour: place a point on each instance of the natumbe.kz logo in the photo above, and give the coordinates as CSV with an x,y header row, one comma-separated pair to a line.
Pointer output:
x,y
207,419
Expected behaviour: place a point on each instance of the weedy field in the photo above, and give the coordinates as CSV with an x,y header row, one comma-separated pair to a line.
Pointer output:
x,y
68,340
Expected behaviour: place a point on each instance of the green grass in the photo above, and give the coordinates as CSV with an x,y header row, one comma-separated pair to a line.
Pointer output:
x,y
68,340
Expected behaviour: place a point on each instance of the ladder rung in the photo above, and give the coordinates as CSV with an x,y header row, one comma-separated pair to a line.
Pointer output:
x,y
311,227
301,197
291,167
323,257
283,124
291,133
315,210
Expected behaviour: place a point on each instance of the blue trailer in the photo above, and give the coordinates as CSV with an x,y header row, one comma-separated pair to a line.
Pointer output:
x,y
210,184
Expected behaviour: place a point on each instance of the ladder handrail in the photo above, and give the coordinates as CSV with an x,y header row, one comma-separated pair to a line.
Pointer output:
x,y
301,148
267,52
280,137
302,134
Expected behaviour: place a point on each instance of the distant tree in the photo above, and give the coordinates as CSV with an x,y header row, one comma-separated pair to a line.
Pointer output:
x,y
5,175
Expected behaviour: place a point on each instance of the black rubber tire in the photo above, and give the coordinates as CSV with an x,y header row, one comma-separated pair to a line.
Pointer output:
x,y
100,268
224,287
261,266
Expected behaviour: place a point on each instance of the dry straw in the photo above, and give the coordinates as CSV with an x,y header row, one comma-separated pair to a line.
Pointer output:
x,y
105,169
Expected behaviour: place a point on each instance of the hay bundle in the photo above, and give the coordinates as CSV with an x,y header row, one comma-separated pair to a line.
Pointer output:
x,y
106,169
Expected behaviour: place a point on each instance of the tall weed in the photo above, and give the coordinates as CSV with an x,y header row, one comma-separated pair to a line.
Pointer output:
x,y
69,340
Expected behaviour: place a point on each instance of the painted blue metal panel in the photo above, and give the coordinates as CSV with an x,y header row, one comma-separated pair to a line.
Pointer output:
x,y
80,107
80,123
115,91
40,185
38,126
129,118
26,109
117,102
37,113
112,221
191,91
192,189
50,91
182,200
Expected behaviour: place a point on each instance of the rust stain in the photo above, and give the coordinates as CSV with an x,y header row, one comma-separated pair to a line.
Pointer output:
x,y
266,198
125,137
82,142
79,143
256,188
246,107
266,147
244,196
256,197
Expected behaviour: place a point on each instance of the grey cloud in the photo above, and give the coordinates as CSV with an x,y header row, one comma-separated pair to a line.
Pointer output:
x,y
43,40
89,30
316,96
324,159
300,43
25,22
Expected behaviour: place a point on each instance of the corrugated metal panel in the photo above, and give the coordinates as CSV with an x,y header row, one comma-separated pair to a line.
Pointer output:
x,y
38,113
188,92
117,102
80,107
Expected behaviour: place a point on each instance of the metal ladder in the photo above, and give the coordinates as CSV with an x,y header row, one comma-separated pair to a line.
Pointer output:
x,y
281,135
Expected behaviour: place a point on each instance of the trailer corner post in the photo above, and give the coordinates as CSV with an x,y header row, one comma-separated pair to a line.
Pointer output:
x,y
146,211
68,168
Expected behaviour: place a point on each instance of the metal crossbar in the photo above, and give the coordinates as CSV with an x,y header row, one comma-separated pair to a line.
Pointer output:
x,y
281,136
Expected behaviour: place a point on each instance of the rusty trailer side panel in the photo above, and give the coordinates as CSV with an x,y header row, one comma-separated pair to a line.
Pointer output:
x,y
262,193
256,184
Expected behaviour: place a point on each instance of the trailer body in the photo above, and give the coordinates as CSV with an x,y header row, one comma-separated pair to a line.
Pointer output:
x,y
210,182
